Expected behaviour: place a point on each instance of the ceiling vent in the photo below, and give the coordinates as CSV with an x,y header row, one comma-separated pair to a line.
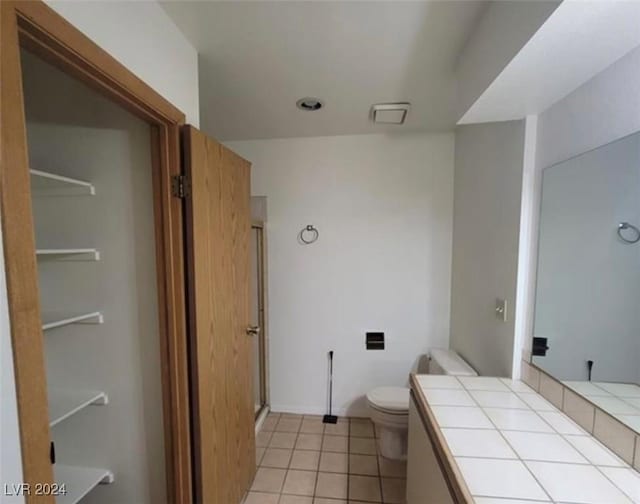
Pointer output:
x,y
390,113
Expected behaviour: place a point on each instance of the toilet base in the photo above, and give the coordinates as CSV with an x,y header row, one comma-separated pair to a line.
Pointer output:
x,y
392,442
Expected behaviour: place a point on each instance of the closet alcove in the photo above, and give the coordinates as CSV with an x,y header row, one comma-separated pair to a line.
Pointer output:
x,y
92,200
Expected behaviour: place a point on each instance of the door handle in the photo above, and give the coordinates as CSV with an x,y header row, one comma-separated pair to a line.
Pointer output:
x,y
253,330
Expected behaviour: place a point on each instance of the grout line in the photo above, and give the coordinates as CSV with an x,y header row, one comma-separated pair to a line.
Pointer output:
x,y
587,463
507,499
348,459
614,483
514,451
375,440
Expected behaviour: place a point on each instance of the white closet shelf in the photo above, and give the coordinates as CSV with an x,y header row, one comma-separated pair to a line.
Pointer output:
x,y
52,321
79,481
44,183
79,254
66,402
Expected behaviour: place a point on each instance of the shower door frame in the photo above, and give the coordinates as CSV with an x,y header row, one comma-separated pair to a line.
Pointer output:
x,y
263,352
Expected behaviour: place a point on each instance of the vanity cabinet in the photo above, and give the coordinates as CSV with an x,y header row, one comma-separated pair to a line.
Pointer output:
x,y
426,483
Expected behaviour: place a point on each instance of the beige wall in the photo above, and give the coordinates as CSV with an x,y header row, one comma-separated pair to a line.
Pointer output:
x,y
486,228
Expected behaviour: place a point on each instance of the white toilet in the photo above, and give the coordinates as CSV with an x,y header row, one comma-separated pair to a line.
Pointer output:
x,y
389,406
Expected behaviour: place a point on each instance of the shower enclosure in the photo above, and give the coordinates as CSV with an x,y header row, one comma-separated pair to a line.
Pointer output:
x,y
258,315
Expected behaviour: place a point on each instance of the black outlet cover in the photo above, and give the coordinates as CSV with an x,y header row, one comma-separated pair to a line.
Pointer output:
x,y
375,341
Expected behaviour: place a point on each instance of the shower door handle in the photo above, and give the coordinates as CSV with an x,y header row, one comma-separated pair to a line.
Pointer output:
x,y
253,330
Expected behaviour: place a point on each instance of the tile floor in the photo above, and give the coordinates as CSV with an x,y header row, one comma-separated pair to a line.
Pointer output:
x,y
303,461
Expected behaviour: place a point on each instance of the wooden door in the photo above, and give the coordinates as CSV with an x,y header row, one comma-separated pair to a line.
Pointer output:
x,y
218,233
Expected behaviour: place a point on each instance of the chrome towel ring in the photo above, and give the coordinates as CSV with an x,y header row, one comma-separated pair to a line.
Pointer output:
x,y
623,226
308,234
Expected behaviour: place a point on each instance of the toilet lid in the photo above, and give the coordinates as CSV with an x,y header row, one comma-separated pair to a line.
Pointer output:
x,y
390,398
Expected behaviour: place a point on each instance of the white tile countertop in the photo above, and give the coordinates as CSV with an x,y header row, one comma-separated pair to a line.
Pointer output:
x,y
511,446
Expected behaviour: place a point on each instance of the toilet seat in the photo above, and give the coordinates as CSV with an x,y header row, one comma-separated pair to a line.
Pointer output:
x,y
390,400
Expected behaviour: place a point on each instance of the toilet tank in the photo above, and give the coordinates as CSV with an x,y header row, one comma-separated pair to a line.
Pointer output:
x,y
447,362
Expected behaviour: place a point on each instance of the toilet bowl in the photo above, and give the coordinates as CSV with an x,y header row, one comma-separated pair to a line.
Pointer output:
x,y
389,406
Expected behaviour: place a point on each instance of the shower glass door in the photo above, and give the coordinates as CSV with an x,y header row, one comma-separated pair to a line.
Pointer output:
x,y
258,295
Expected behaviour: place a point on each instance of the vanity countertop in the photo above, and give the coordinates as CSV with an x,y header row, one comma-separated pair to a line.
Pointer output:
x,y
502,443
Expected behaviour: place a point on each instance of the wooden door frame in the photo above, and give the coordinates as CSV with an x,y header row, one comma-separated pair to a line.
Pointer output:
x,y
262,317
35,26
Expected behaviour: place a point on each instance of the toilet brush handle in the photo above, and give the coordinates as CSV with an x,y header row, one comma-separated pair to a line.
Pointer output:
x,y
330,382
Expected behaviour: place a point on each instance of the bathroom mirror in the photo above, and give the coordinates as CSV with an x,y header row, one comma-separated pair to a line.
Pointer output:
x,y
588,281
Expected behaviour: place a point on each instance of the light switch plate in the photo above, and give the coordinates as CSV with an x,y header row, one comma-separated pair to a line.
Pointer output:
x,y
501,309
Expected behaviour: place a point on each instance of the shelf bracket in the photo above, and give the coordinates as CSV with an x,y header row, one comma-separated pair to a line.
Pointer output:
x,y
108,479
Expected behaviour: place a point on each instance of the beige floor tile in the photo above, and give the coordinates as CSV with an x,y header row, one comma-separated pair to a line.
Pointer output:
x,y
261,498
363,464
268,480
294,416
259,453
329,501
286,424
361,429
392,468
269,424
276,457
299,482
305,459
309,442
312,426
283,440
334,462
263,438
339,429
365,488
362,446
335,444
332,486
296,499
394,490
273,414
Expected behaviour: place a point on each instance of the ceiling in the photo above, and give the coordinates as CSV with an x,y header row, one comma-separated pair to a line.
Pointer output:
x,y
579,40
257,58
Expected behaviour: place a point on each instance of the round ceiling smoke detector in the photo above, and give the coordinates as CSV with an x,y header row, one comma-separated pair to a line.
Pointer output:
x,y
309,104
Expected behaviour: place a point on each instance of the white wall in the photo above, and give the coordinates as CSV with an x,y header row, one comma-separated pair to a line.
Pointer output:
x,y
588,282
141,36
486,226
526,278
383,206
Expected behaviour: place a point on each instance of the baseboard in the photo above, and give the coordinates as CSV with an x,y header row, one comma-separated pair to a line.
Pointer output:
x,y
261,417
310,410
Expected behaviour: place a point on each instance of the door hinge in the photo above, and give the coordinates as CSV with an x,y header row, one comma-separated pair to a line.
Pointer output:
x,y
180,186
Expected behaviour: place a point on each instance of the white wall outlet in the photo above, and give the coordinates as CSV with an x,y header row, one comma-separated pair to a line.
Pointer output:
x,y
501,309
